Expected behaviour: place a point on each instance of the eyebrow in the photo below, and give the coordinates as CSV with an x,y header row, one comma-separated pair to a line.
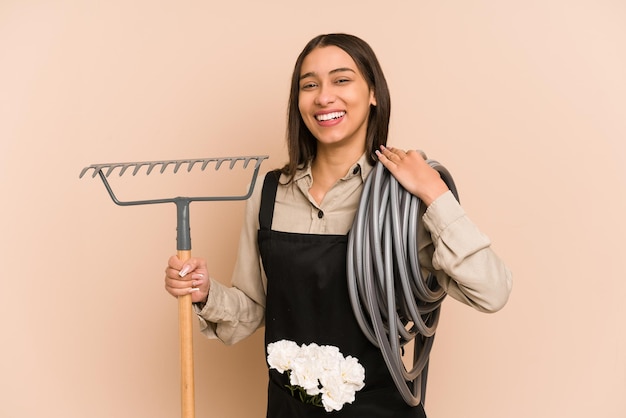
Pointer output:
x,y
336,70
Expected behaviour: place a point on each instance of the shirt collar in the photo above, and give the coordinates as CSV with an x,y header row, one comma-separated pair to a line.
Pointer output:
x,y
362,167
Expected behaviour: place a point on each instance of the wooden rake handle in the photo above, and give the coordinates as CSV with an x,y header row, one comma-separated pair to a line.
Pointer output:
x,y
185,326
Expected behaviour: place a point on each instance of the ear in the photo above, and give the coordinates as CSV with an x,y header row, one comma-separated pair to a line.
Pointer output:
x,y
372,98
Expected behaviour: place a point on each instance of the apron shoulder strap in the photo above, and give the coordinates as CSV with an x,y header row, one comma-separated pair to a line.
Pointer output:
x,y
268,198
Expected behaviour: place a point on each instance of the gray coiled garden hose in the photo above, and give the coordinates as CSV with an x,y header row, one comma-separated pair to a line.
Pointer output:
x,y
392,300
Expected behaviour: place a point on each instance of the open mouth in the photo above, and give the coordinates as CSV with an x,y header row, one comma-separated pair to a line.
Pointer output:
x,y
329,116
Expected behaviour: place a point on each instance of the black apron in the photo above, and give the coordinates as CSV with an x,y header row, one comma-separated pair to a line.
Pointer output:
x,y
308,301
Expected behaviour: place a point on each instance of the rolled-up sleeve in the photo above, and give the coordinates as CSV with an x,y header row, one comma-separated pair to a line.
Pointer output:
x,y
461,257
232,313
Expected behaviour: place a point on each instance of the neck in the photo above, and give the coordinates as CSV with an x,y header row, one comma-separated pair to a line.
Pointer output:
x,y
329,166
334,163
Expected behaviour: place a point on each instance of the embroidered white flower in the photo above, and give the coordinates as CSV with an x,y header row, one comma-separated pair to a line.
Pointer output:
x,y
321,375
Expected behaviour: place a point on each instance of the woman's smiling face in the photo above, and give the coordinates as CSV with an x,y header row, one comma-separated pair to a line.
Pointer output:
x,y
334,98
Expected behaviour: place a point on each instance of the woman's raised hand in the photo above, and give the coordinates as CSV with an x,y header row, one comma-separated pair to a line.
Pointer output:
x,y
413,173
189,277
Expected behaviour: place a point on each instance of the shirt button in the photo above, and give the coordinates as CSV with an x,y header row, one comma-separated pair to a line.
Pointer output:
x,y
320,214
356,170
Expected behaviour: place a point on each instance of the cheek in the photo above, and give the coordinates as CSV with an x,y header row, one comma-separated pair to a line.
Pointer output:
x,y
362,101
302,107
304,114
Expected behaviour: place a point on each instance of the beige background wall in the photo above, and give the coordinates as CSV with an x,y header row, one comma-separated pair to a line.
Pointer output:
x,y
524,102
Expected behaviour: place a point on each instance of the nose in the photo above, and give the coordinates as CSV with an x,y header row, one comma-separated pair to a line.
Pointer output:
x,y
325,95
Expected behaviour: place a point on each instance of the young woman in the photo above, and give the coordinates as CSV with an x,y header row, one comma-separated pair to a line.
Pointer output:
x,y
290,273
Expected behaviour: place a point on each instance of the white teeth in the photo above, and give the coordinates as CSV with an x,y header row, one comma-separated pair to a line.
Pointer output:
x,y
329,116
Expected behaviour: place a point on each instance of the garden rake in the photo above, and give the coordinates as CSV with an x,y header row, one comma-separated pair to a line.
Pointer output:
x,y
183,240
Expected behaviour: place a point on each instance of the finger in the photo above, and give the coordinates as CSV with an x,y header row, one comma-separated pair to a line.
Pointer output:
x,y
197,280
188,267
384,159
181,291
417,158
181,288
178,283
174,263
388,156
420,152
396,155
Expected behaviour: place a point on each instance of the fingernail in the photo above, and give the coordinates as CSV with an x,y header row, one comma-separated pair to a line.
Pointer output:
x,y
193,289
184,271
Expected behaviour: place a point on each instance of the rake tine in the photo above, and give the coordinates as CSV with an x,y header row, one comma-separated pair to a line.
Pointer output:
x,y
138,167
191,164
164,165
248,159
151,167
113,167
84,170
124,168
259,161
178,164
206,162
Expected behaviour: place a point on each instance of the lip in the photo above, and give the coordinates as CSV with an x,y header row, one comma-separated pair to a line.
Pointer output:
x,y
330,122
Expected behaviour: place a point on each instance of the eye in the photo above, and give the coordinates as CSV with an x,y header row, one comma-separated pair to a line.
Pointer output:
x,y
342,80
308,85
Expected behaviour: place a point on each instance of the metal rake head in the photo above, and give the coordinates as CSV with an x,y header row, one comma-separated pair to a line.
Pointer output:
x,y
107,169
182,203
137,166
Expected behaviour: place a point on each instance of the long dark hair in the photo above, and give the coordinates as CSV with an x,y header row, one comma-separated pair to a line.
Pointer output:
x,y
301,144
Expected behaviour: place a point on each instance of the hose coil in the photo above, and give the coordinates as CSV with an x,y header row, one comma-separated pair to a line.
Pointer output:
x,y
393,302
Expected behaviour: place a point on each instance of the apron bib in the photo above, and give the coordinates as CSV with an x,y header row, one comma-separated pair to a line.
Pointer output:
x,y
308,301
